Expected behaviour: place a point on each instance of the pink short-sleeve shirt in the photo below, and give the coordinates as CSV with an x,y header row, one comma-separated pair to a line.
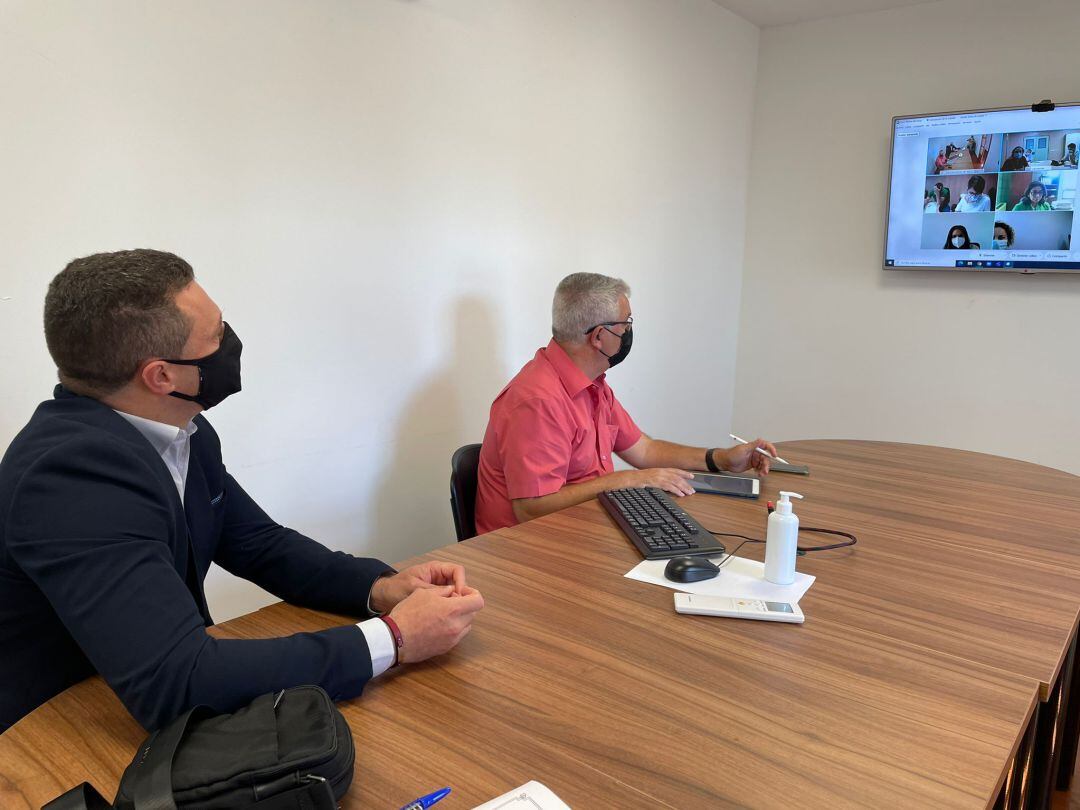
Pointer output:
x,y
549,427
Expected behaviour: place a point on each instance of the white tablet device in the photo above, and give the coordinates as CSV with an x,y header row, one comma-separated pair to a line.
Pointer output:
x,y
739,486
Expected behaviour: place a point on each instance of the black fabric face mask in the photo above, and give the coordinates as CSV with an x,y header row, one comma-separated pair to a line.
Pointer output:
x,y
626,340
219,372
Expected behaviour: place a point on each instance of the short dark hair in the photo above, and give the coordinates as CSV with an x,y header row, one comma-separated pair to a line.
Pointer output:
x,y
107,313
978,183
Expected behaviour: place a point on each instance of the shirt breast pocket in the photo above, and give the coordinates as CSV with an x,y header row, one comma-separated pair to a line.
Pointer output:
x,y
217,513
612,437
582,460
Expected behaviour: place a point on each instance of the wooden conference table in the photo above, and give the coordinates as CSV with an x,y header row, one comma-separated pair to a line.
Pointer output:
x,y
933,669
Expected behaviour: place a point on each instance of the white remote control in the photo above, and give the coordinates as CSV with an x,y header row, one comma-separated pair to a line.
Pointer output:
x,y
737,608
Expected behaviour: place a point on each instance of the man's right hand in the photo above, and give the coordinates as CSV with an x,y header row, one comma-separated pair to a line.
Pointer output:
x,y
433,620
677,482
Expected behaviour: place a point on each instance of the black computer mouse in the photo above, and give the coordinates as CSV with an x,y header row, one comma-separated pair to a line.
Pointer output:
x,y
690,569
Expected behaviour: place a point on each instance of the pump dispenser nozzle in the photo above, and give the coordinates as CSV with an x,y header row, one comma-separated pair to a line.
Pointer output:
x,y
784,505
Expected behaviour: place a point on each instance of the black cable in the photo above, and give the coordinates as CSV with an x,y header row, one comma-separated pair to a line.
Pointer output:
x,y
731,554
850,541
742,537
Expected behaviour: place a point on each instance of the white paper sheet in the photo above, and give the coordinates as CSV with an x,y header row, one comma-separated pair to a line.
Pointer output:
x,y
738,578
530,796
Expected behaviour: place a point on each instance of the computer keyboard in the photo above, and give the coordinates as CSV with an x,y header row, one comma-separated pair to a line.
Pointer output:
x,y
656,526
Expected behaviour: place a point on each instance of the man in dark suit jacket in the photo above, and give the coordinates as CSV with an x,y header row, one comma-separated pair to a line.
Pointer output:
x,y
114,502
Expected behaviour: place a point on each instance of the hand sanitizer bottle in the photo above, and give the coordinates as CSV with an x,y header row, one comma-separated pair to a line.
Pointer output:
x,y
782,542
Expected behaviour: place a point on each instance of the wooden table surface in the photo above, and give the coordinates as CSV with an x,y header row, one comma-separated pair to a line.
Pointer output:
x,y
590,682
968,554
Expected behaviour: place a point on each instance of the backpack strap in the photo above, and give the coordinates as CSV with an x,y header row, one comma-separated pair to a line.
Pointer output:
x,y
83,797
152,781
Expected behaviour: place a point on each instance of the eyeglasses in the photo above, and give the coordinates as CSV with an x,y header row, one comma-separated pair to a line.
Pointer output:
x,y
628,323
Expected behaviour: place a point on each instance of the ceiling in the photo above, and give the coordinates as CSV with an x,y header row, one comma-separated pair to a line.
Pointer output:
x,y
765,13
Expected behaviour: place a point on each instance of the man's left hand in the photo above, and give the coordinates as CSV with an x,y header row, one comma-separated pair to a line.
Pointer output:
x,y
388,591
743,457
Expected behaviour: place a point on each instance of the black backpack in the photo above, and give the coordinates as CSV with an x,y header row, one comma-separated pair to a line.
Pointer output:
x,y
291,750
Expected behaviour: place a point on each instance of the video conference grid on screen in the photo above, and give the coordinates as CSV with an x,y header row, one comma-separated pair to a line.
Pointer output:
x,y
985,190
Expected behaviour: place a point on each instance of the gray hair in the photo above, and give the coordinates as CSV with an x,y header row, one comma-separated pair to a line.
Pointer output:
x,y
582,301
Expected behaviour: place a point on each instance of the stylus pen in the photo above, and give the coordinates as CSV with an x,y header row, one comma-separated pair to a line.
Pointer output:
x,y
761,450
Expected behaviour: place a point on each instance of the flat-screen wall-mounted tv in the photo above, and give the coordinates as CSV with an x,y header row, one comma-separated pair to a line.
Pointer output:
x,y
985,190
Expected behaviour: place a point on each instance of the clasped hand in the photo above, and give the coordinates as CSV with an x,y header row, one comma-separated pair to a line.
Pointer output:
x,y
432,605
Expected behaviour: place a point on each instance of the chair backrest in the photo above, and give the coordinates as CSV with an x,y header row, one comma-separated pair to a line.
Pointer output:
x,y
463,470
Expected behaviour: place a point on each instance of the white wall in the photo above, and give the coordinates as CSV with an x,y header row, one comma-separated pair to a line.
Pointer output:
x,y
832,346
382,196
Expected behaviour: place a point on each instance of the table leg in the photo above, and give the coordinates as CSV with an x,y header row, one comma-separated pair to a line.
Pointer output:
x,y
1071,731
1014,792
1049,729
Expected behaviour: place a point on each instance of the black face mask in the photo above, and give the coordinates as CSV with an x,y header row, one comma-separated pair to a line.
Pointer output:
x,y
219,372
626,340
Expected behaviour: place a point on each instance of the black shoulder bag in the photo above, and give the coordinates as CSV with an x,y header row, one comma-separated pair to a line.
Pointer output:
x,y
291,750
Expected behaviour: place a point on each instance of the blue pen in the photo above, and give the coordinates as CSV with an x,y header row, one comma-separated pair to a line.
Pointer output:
x,y
424,802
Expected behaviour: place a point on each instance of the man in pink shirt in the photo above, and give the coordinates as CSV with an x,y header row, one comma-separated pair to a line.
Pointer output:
x,y
553,429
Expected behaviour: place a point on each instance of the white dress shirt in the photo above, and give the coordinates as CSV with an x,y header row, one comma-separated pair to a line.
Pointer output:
x,y
173,444
969,203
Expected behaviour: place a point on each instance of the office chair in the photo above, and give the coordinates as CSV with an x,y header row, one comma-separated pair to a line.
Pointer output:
x,y
463,466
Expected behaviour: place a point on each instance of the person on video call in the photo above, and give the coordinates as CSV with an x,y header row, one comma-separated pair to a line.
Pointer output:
x,y
943,195
958,239
1069,158
1015,162
1034,199
114,502
973,200
553,429
1004,236
940,162
932,202
972,150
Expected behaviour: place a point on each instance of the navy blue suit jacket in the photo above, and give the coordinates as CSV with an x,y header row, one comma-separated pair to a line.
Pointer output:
x,y
101,570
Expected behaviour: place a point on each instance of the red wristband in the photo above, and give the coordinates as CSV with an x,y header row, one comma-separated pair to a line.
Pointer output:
x,y
399,640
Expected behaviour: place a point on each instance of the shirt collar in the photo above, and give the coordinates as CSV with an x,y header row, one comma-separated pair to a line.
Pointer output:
x,y
159,434
572,377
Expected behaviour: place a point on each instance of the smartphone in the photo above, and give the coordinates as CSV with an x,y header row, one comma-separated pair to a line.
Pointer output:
x,y
795,469
735,485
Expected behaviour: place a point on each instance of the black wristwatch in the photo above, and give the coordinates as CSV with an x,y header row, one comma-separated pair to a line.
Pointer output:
x,y
709,460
